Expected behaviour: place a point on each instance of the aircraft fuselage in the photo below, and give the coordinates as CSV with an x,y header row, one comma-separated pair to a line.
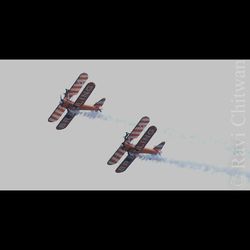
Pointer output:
x,y
130,148
68,104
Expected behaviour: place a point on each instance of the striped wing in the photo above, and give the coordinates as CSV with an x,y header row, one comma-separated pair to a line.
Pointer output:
x,y
138,128
77,85
117,155
126,163
82,98
66,120
72,91
145,138
57,113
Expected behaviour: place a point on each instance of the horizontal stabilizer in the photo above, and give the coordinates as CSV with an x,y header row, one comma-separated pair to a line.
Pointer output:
x,y
160,146
100,103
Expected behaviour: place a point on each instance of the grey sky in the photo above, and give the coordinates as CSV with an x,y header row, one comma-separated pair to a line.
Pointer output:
x,y
188,101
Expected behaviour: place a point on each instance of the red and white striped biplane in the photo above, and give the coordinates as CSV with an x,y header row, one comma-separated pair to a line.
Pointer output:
x,y
73,107
134,150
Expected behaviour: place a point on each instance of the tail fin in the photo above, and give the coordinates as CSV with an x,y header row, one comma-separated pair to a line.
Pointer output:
x,y
160,146
100,103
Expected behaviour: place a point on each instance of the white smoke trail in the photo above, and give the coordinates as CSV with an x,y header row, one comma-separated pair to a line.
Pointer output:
x,y
196,166
96,115
105,117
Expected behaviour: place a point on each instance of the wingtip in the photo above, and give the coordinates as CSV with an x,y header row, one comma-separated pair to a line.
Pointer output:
x,y
146,118
84,74
118,171
51,119
91,83
153,127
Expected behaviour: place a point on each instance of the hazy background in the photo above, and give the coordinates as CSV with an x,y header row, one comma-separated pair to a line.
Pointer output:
x,y
188,101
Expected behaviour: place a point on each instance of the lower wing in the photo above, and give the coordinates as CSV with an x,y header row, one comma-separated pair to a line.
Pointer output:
x,y
57,113
117,155
66,120
126,163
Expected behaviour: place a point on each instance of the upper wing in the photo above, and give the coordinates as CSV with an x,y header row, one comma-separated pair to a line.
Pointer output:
x,y
117,155
75,88
66,120
57,113
126,163
138,128
82,98
145,139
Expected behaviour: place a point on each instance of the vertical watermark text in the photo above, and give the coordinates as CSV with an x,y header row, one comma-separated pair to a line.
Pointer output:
x,y
238,120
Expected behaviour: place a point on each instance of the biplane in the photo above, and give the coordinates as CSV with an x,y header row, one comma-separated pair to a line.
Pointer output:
x,y
73,107
134,150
